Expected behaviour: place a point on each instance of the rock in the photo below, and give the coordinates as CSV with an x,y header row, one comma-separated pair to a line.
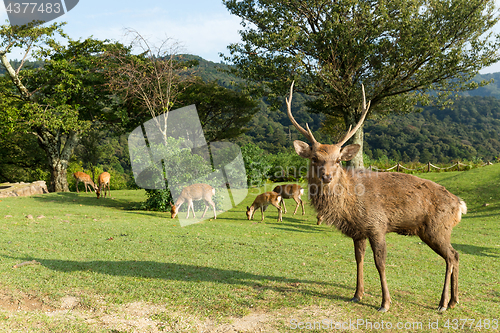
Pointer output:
x,y
22,189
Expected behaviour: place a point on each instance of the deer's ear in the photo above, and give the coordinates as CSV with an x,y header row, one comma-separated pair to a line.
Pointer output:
x,y
302,148
348,152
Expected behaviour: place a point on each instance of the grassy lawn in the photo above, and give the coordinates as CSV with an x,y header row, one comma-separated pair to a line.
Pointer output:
x,y
105,267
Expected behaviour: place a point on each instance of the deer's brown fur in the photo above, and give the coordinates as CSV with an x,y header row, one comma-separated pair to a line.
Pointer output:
x,y
104,184
82,177
192,193
368,205
262,201
291,191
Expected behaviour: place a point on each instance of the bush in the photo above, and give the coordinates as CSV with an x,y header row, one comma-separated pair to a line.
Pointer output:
x,y
158,200
181,166
288,166
257,164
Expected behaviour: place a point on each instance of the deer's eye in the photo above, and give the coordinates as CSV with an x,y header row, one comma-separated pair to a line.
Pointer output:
x,y
314,160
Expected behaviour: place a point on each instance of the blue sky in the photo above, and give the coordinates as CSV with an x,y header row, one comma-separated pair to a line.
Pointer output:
x,y
203,27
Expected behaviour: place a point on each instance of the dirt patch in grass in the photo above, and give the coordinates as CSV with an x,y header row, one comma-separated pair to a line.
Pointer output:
x,y
142,317
20,301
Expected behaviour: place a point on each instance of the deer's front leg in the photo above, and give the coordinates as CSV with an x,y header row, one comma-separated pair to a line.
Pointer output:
x,y
359,253
189,207
378,245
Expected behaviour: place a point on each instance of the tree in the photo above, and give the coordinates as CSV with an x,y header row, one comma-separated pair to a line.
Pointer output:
x,y
400,50
223,112
58,101
150,81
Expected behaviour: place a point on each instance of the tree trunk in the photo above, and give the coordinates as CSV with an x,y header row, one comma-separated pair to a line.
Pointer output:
x,y
58,180
357,138
59,148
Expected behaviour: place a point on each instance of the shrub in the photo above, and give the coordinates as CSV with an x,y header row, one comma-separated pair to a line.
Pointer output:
x,y
257,164
287,166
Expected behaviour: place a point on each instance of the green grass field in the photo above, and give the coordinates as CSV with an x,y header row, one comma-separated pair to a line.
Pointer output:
x,y
106,267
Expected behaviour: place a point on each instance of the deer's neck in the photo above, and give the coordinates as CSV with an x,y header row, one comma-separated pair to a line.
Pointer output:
x,y
180,201
336,202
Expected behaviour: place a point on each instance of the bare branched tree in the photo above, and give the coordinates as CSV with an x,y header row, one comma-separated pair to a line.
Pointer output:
x,y
153,78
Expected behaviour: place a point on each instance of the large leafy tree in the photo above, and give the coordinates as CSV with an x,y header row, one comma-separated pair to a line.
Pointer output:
x,y
58,102
403,51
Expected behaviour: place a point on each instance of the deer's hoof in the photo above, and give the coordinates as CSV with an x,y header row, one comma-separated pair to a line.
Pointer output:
x,y
442,308
355,299
452,304
382,309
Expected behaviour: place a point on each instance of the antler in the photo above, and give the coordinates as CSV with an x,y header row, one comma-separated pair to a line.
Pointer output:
x,y
350,132
308,134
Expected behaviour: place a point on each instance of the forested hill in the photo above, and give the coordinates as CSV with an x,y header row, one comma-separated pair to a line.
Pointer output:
x,y
470,129
492,89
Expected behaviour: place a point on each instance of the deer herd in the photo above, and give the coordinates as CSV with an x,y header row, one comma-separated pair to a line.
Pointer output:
x,y
103,181
363,205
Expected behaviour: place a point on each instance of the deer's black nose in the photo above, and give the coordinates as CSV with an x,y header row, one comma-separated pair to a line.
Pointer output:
x,y
327,178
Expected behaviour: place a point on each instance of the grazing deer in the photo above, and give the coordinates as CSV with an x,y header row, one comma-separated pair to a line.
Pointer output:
x,y
367,205
192,193
103,183
82,177
262,201
291,191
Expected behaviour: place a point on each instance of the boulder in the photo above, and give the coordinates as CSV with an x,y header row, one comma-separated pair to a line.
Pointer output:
x,y
22,189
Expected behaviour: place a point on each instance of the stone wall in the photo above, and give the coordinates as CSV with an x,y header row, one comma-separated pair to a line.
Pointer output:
x,y
22,189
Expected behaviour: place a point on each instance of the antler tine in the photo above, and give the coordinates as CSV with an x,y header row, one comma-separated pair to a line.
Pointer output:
x,y
307,133
365,107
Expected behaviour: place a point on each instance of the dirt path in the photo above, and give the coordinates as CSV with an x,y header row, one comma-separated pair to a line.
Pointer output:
x,y
18,308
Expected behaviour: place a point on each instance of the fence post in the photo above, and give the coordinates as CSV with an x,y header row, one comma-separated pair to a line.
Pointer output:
x,y
458,165
397,167
429,166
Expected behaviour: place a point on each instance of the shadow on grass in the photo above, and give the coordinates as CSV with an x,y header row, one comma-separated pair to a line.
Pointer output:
x,y
188,273
295,225
480,212
73,198
476,250
288,224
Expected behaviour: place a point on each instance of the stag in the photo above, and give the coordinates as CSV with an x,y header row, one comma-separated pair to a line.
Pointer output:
x,y
368,205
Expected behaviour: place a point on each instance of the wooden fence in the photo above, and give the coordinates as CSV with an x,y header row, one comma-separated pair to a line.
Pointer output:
x,y
426,168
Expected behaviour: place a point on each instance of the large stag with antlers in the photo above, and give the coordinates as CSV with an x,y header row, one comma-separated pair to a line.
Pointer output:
x,y
368,205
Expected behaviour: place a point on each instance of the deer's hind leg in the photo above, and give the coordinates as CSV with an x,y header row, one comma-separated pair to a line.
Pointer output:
x,y
440,243
284,206
205,211
280,217
297,206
